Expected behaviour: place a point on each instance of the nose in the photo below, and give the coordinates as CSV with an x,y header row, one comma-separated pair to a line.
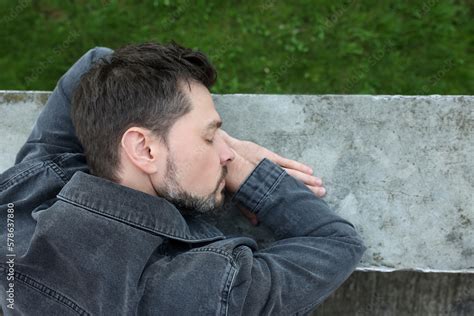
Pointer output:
x,y
226,153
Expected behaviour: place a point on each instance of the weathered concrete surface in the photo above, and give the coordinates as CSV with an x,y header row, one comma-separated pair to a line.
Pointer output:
x,y
400,168
18,112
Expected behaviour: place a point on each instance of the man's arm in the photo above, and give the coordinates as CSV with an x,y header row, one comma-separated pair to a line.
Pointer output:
x,y
315,252
53,132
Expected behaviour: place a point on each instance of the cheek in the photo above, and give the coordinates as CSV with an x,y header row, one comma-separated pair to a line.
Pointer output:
x,y
201,167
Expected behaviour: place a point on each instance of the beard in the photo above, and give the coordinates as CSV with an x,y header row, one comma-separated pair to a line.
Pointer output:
x,y
186,202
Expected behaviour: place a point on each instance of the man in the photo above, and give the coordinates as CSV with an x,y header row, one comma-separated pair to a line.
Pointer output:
x,y
104,192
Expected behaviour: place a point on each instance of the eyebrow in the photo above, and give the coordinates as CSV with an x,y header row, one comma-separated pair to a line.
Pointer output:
x,y
214,125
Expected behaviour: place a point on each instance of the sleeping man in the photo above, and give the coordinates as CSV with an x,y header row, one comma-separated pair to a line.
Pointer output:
x,y
101,202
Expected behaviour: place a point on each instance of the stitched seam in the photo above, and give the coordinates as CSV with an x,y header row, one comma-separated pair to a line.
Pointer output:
x,y
215,250
238,253
57,170
147,228
17,178
249,176
60,158
230,275
227,288
55,295
272,188
61,90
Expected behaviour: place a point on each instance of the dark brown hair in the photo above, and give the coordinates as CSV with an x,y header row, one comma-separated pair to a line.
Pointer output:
x,y
137,85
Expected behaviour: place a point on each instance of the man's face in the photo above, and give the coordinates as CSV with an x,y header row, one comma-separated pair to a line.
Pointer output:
x,y
193,176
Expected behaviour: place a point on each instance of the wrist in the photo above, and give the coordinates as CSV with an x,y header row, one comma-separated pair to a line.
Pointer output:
x,y
239,170
259,185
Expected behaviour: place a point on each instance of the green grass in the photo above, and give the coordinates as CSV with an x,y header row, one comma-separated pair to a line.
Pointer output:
x,y
268,46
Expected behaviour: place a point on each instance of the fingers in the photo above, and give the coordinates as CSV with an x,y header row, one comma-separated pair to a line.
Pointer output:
x,y
306,178
318,191
256,152
292,164
224,134
227,138
313,183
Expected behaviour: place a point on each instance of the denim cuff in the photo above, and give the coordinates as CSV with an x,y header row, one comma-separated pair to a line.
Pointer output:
x,y
258,185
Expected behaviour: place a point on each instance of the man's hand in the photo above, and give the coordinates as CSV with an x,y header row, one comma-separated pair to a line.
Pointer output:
x,y
254,153
249,154
237,171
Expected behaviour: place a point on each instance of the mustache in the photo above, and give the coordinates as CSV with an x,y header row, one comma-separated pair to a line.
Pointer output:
x,y
224,174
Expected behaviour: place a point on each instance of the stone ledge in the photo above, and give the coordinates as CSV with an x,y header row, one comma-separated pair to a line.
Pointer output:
x,y
400,168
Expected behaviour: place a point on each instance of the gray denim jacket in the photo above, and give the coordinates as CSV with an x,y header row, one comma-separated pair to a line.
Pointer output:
x,y
77,244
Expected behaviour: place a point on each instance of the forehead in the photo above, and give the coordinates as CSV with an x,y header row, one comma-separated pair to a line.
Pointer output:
x,y
203,108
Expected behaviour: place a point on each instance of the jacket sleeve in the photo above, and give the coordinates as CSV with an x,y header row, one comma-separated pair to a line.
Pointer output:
x,y
53,132
314,253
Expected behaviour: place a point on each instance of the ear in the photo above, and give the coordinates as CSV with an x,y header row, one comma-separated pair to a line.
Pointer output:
x,y
141,148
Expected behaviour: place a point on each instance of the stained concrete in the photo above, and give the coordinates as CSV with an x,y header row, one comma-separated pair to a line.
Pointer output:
x,y
18,112
400,168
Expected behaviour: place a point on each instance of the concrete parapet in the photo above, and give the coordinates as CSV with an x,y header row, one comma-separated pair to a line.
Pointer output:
x,y
400,168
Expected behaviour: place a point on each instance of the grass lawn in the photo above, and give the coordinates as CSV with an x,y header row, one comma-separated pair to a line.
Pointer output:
x,y
268,46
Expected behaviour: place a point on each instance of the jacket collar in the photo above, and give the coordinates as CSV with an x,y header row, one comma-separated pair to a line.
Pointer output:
x,y
135,208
